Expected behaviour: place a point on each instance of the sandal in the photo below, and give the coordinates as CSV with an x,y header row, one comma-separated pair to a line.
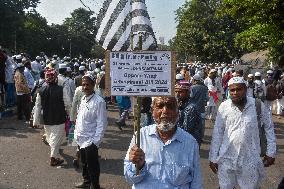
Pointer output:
x,y
43,139
35,126
55,161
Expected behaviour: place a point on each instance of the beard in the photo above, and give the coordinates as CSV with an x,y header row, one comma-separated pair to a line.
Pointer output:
x,y
166,126
240,101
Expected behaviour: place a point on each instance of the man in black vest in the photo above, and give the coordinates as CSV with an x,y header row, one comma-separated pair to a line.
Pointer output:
x,y
52,99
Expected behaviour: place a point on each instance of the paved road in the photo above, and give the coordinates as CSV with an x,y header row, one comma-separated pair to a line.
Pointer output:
x,y
24,158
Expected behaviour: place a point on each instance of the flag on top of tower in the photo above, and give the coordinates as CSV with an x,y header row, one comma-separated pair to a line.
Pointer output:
x,y
118,20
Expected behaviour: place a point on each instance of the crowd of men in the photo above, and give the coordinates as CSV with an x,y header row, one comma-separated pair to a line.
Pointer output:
x,y
55,93
64,93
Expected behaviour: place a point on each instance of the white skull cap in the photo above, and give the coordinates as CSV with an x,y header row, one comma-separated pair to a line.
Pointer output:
x,y
61,66
236,80
179,76
250,75
82,68
257,74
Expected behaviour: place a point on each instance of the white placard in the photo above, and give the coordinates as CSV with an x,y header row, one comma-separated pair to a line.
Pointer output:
x,y
145,73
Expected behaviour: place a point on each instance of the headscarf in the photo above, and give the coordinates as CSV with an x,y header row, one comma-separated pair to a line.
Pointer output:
x,y
50,75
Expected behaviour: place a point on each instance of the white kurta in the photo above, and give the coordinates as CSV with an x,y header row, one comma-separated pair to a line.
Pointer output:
x,y
280,106
235,143
37,68
72,87
260,83
250,89
91,121
208,83
250,92
217,87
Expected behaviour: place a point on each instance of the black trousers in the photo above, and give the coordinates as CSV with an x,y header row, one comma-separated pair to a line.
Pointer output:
x,y
281,185
23,106
91,166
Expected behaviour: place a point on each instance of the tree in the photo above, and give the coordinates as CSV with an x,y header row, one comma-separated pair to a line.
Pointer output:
x,y
25,30
33,36
265,24
58,40
81,31
12,17
204,34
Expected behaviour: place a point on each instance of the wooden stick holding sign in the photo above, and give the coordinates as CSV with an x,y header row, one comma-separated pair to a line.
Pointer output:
x,y
138,114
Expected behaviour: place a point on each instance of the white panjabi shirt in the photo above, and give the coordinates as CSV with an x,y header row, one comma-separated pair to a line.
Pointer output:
x,y
91,121
235,139
214,88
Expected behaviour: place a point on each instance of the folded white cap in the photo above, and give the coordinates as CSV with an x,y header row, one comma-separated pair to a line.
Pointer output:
x,y
250,75
236,80
179,77
212,71
61,66
82,68
19,57
257,74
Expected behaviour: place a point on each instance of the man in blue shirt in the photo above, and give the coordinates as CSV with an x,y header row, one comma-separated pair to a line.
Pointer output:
x,y
124,104
168,156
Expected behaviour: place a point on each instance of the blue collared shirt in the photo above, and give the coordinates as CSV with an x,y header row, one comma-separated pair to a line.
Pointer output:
x,y
171,165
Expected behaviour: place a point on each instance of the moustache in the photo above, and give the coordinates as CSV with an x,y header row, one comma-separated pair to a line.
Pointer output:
x,y
166,126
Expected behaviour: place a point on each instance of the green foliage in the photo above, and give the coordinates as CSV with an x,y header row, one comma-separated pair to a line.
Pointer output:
x,y
57,40
81,21
33,33
204,34
98,51
25,30
215,30
81,31
265,24
12,13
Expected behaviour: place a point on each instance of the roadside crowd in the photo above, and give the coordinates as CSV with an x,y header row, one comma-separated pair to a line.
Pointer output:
x,y
66,96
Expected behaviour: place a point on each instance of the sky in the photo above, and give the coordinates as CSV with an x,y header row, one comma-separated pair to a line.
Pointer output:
x,y
161,12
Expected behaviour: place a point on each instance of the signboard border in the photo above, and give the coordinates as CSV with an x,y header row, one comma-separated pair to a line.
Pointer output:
x,y
108,78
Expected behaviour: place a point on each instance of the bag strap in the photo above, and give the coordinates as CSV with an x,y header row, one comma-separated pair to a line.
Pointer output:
x,y
258,111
